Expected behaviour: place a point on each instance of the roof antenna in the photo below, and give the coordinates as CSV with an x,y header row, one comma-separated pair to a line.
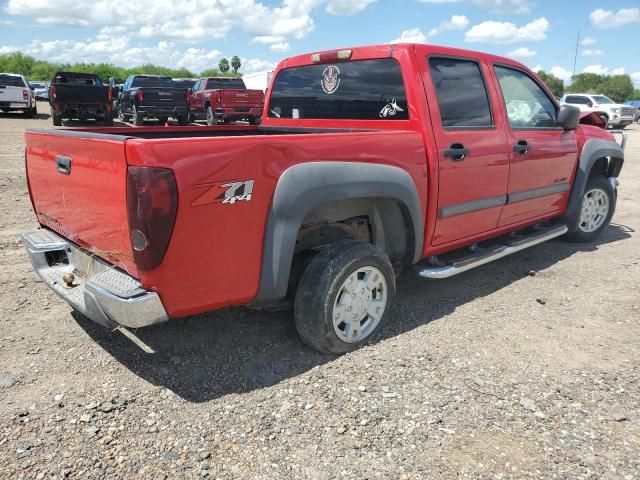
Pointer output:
x,y
575,58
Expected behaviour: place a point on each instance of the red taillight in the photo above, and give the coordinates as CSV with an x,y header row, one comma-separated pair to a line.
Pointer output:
x,y
25,94
110,95
218,97
53,93
140,95
152,204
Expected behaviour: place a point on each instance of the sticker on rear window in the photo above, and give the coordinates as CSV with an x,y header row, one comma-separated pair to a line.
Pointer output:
x,y
330,79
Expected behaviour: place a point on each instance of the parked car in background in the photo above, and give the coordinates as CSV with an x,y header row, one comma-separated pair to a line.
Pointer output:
x,y
224,99
258,80
636,105
81,96
15,94
40,90
152,96
614,114
367,161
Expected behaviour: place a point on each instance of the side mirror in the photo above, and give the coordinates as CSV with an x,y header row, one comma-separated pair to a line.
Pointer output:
x,y
568,117
590,104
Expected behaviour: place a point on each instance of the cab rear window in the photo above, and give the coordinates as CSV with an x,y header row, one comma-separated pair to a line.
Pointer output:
x,y
357,90
11,81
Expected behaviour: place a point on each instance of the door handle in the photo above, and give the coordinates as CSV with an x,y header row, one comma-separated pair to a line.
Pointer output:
x,y
522,147
456,152
63,164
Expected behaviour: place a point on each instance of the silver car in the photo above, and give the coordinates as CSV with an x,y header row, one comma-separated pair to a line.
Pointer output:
x,y
40,90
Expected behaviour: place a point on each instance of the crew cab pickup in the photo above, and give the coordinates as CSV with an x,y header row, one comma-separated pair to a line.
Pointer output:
x,y
16,94
224,99
614,114
152,96
79,95
368,160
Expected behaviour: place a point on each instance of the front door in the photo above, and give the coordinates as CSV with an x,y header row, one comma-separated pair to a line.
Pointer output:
x,y
473,153
543,155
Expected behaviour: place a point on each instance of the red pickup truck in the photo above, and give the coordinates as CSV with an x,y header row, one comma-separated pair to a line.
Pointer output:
x,y
224,99
368,160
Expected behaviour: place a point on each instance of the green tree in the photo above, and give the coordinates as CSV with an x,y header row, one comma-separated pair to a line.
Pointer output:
x,y
617,87
224,65
555,84
210,72
235,63
585,83
17,63
636,94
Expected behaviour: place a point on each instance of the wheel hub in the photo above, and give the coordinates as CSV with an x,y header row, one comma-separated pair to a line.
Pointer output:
x,y
360,304
595,208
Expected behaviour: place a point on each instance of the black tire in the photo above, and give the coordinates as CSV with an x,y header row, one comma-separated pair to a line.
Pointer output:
x,y
211,118
121,115
191,118
136,117
56,119
581,234
322,282
34,110
28,113
253,120
183,120
163,120
108,120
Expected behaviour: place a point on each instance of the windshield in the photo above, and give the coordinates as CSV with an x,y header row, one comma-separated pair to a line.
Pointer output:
x,y
152,82
362,90
36,85
602,99
184,83
11,81
226,83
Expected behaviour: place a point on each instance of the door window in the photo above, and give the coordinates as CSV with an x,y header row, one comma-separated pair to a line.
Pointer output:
x,y
461,93
528,106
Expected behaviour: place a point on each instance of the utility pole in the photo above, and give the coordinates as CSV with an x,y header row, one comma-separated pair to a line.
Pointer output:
x,y
575,57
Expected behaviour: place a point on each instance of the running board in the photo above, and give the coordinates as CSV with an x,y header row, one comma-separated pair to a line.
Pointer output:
x,y
481,256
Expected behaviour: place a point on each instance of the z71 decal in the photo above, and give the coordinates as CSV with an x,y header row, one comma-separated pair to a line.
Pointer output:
x,y
224,192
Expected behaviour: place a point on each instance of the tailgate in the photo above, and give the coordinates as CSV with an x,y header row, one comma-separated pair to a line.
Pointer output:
x,y
164,96
90,94
78,184
242,98
12,94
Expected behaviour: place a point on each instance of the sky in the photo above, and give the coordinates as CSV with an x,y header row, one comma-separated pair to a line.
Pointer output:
x,y
197,33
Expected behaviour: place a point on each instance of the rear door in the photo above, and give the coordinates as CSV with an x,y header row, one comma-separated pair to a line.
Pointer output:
x,y
543,155
473,156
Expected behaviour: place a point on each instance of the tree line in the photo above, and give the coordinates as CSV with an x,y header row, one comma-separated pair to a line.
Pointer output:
x,y
34,69
618,88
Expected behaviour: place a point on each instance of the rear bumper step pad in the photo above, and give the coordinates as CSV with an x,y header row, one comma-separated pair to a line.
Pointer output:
x,y
95,288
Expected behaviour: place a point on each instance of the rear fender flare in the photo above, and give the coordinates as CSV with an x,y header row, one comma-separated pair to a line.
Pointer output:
x,y
593,150
303,187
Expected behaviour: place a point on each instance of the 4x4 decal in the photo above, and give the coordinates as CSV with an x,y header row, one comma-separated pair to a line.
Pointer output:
x,y
233,191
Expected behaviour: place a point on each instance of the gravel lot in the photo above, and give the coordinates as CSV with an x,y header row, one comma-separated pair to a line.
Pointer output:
x,y
524,368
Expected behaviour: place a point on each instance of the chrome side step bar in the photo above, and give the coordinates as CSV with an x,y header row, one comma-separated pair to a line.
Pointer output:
x,y
482,256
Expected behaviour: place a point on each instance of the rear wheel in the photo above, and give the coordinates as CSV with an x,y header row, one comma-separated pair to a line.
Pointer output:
x,y
183,120
163,120
137,117
121,115
344,297
108,120
56,119
253,120
28,113
211,119
596,209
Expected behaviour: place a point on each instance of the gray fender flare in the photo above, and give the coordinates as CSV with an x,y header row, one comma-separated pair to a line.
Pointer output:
x,y
303,187
593,150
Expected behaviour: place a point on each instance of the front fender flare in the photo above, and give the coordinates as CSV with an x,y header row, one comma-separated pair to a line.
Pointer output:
x,y
303,187
593,150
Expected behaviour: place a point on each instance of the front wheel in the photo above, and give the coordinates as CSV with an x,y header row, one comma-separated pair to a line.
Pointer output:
x,y
596,209
344,297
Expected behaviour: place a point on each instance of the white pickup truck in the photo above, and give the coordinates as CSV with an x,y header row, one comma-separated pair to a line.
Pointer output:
x,y
16,94
614,114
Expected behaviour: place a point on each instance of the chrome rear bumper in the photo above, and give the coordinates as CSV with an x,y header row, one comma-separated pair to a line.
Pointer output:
x,y
97,290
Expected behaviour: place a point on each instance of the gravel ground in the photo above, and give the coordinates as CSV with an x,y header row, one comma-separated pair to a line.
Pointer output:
x,y
524,368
